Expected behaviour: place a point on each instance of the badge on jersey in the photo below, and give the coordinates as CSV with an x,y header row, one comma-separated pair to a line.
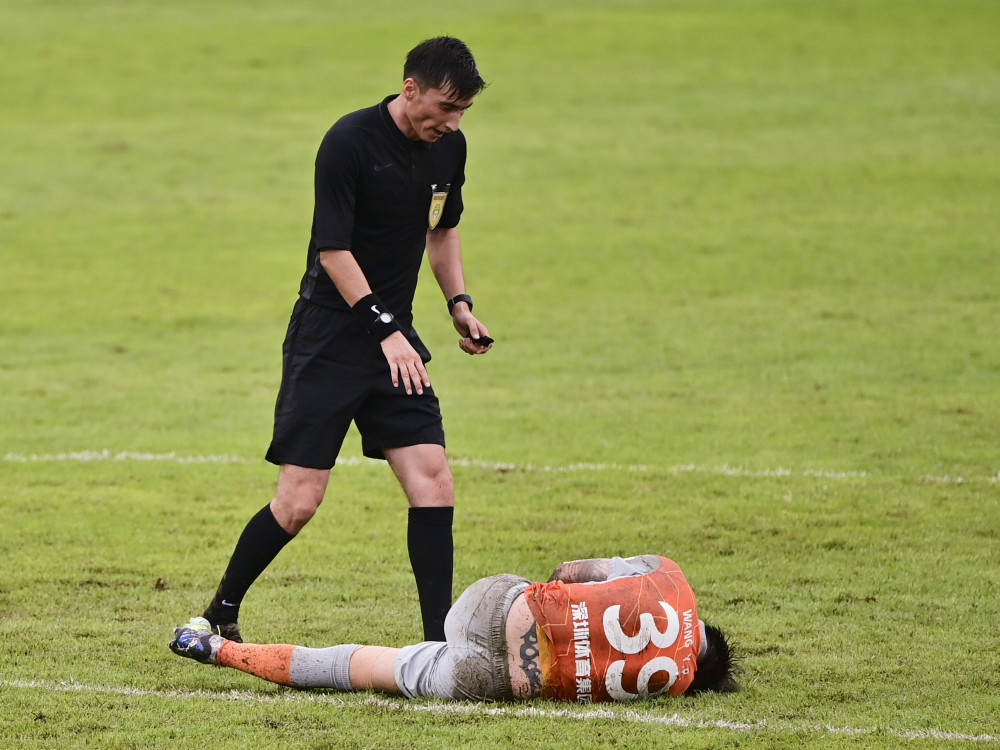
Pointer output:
x,y
438,197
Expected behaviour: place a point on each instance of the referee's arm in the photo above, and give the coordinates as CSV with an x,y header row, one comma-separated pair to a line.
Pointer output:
x,y
405,365
343,269
444,253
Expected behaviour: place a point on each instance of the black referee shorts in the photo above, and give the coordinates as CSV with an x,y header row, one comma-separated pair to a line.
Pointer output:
x,y
333,373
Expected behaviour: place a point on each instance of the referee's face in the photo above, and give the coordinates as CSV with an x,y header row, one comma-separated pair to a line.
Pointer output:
x,y
431,113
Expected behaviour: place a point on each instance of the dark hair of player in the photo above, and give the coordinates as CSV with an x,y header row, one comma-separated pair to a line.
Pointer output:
x,y
445,63
716,669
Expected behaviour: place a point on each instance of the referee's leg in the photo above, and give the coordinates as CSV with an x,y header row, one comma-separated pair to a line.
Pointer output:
x,y
426,478
300,491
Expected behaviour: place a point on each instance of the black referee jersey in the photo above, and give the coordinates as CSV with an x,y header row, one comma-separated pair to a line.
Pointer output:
x,y
373,191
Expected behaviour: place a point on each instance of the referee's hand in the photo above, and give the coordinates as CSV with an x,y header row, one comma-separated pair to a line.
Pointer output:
x,y
405,365
470,345
468,326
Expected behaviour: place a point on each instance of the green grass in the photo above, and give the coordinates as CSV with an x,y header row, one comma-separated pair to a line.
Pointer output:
x,y
740,261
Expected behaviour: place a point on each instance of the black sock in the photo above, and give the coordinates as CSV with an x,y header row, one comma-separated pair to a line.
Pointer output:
x,y
258,545
432,556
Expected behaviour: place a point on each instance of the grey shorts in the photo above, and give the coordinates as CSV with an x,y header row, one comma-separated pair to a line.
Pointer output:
x,y
472,665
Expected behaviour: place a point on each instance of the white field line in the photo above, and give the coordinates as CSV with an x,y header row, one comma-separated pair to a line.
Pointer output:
x,y
516,712
720,469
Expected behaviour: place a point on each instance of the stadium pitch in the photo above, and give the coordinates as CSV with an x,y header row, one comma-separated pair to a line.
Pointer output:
x,y
740,260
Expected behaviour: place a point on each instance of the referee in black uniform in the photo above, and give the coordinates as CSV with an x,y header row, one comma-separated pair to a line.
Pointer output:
x,y
388,186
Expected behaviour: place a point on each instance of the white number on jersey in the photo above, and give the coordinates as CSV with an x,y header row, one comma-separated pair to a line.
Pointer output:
x,y
626,644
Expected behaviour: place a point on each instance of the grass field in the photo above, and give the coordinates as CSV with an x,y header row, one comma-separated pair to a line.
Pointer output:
x,y
740,259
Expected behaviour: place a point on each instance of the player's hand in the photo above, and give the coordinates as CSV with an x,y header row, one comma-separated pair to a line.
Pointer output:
x,y
405,365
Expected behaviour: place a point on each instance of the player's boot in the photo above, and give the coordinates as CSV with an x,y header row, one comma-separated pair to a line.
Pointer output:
x,y
228,630
196,642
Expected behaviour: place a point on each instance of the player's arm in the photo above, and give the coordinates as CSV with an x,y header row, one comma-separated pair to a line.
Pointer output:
x,y
444,253
581,571
604,569
405,364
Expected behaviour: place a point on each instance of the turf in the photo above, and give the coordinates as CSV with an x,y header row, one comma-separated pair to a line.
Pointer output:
x,y
740,261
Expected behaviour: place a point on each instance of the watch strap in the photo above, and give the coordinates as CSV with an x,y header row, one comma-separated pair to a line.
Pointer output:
x,y
459,298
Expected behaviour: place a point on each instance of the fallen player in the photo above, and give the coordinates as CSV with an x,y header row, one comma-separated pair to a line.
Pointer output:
x,y
599,630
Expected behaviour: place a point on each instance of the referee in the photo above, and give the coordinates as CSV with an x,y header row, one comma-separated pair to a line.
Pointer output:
x,y
388,185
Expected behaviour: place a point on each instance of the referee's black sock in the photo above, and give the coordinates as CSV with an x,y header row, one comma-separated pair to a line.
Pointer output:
x,y
432,556
260,542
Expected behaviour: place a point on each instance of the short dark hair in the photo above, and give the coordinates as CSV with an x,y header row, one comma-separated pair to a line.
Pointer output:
x,y
717,669
445,63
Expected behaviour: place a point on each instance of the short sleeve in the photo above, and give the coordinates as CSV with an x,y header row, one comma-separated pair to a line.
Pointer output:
x,y
454,206
336,183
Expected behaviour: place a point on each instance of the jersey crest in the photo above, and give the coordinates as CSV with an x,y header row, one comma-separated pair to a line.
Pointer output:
x,y
438,197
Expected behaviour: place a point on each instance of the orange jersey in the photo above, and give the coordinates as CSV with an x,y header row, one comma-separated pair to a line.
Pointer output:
x,y
617,640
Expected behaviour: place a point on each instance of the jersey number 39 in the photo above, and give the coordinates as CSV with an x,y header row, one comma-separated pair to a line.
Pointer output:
x,y
629,645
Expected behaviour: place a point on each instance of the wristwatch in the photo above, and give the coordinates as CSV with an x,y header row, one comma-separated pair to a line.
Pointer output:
x,y
459,298
383,325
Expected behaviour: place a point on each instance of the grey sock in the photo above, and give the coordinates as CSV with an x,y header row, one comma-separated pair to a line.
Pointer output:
x,y
322,667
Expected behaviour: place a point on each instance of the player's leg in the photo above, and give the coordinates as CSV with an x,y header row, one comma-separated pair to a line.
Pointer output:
x,y
472,664
373,668
346,667
426,479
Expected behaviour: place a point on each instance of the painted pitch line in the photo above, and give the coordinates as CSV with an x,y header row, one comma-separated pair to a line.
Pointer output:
x,y
721,469
516,712
121,456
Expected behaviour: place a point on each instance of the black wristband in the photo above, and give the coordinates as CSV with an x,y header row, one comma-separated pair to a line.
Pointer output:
x,y
459,298
378,321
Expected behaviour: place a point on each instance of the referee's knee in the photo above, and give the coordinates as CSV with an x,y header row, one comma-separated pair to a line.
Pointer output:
x,y
296,502
431,489
292,515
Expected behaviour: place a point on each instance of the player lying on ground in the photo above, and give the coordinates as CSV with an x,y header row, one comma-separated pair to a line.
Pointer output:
x,y
599,630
